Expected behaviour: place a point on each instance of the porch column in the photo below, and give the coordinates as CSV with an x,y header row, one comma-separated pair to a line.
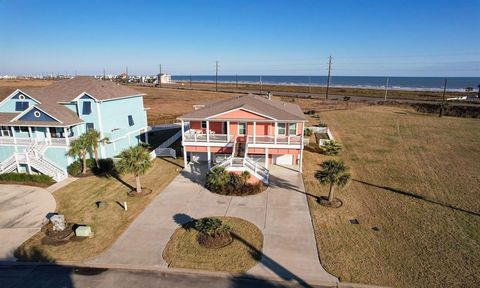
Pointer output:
x,y
209,157
49,135
185,163
254,131
146,135
29,168
300,159
276,132
65,134
13,134
208,131
30,134
266,158
228,131
183,132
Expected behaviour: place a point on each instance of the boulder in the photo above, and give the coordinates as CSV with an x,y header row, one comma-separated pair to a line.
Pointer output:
x,y
58,222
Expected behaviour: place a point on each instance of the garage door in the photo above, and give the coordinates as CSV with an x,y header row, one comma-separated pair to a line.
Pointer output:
x,y
199,157
286,159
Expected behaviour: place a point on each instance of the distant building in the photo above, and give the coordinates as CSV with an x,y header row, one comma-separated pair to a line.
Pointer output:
x,y
164,78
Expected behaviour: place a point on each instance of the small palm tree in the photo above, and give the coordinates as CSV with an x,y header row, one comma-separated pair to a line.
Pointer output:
x,y
93,137
334,172
78,148
331,147
135,160
216,178
245,177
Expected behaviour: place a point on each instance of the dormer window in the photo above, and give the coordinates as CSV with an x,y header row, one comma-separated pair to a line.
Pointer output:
x,y
21,105
87,108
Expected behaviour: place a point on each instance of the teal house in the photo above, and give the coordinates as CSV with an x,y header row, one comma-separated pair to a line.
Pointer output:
x,y
37,125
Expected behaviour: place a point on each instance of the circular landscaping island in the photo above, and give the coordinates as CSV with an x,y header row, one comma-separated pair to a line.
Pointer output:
x,y
215,243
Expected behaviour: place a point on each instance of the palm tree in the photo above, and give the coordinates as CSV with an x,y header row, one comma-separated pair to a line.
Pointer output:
x,y
245,177
78,148
217,178
334,172
135,160
93,137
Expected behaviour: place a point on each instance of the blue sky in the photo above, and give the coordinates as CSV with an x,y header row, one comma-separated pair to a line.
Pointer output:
x,y
395,38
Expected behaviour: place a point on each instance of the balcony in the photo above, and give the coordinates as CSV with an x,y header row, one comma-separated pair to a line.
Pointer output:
x,y
271,139
202,137
28,141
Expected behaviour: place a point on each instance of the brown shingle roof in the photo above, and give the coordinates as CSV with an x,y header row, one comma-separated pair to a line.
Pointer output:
x,y
275,109
66,91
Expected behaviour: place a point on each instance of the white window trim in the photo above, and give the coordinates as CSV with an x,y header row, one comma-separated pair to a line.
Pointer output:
x,y
284,129
239,124
295,132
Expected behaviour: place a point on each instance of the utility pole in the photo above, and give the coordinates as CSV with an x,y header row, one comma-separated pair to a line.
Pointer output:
x,y
442,106
126,71
386,90
216,76
328,77
190,81
160,75
236,81
261,85
104,76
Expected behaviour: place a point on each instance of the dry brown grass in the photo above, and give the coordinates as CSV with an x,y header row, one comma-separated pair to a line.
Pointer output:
x,y
77,202
167,104
183,250
415,177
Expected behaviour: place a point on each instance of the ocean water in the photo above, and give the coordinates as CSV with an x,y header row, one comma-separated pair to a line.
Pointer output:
x,y
399,83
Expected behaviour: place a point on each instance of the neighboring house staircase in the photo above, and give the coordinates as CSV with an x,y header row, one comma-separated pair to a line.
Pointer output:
x,y
33,158
164,150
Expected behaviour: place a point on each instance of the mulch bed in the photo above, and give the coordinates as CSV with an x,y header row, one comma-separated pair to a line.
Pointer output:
x,y
336,203
57,238
215,241
145,192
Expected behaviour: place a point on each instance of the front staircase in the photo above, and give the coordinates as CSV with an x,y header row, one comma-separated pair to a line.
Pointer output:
x,y
33,158
245,164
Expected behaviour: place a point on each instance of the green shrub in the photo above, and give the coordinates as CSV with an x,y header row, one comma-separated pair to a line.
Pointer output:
x,y
331,148
21,177
212,226
222,182
308,132
75,168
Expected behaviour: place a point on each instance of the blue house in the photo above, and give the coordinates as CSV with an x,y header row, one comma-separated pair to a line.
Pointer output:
x,y
37,125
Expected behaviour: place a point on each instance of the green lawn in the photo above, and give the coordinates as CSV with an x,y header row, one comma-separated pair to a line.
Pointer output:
x,y
415,177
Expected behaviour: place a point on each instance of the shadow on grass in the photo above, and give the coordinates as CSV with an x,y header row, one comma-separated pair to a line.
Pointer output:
x,y
187,222
415,196
170,161
106,168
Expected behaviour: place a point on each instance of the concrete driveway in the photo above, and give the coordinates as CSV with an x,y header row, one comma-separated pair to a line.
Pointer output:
x,y
22,210
281,212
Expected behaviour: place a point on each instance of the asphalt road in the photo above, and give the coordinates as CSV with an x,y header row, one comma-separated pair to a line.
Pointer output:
x,y
51,276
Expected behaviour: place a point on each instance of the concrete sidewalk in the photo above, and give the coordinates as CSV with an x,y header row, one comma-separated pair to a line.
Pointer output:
x,y
281,212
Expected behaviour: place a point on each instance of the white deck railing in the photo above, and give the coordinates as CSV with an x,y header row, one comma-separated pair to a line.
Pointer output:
x,y
245,163
30,141
271,139
202,137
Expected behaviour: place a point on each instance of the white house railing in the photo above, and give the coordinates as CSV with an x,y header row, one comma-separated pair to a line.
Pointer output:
x,y
202,137
271,139
245,163
30,141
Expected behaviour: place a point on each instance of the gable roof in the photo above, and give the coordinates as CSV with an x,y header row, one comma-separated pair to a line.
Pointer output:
x,y
274,109
65,91
70,89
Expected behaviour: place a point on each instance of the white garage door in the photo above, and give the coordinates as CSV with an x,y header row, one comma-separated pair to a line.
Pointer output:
x,y
198,157
286,159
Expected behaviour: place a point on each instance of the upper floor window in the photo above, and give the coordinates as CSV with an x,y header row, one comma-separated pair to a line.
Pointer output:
x,y
87,108
204,124
292,129
21,105
242,128
90,126
5,131
130,120
281,129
